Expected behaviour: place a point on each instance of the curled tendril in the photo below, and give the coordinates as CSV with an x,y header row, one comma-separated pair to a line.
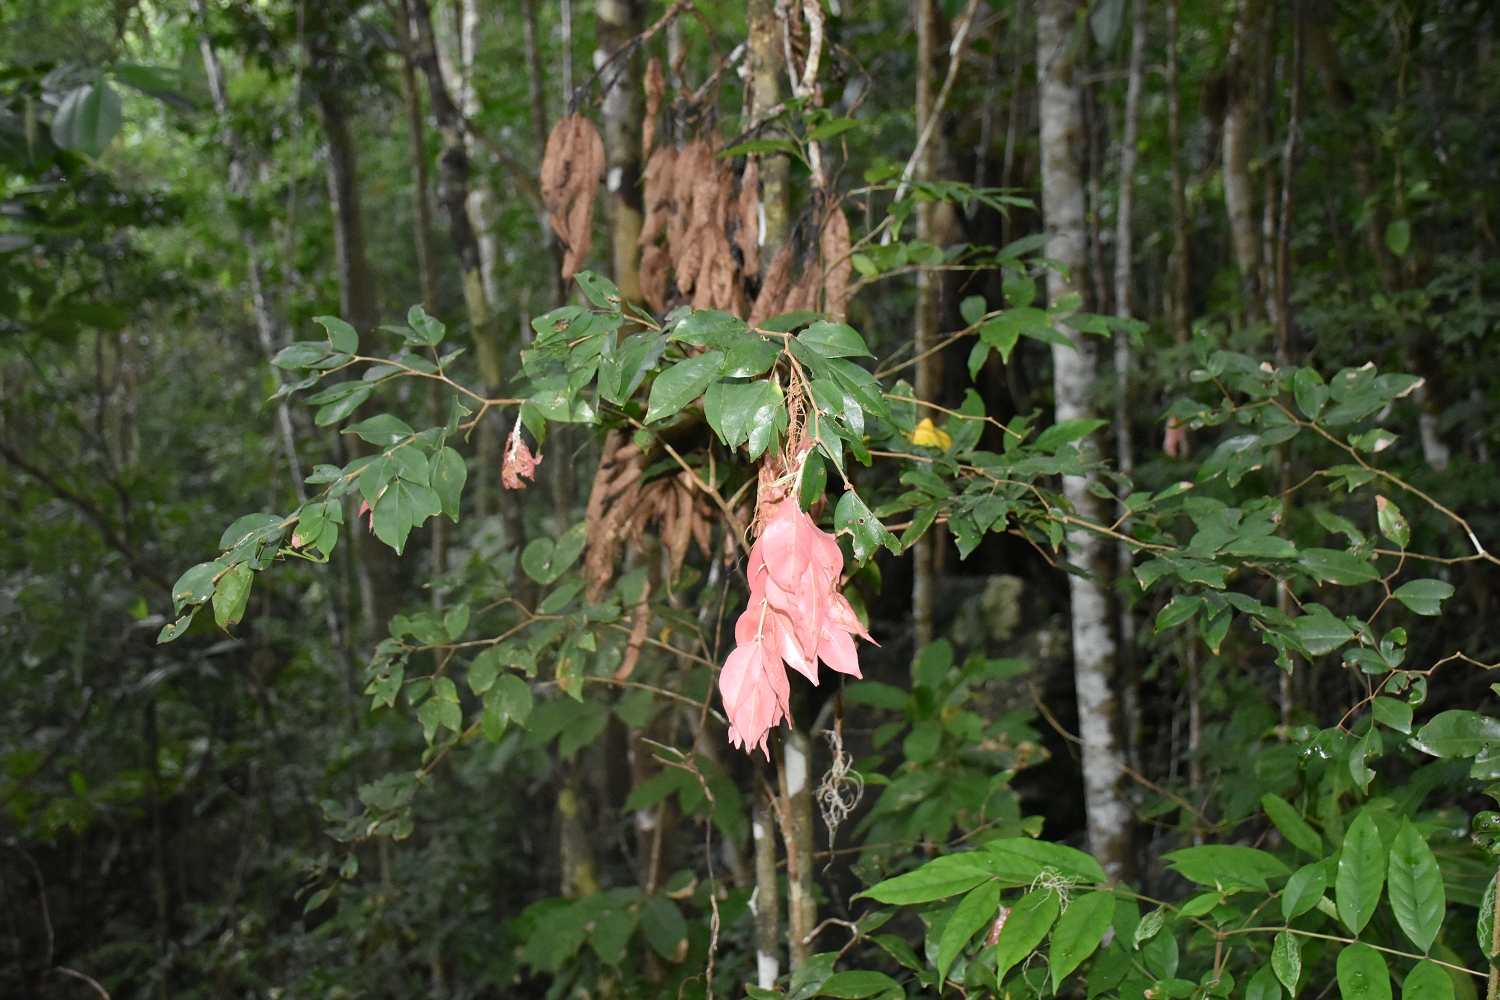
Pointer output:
x,y
842,787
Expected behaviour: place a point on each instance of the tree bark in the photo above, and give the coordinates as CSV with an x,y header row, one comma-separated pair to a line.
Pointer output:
x,y
767,906
358,303
616,23
453,193
766,66
536,86
925,335
1074,371
1180,272
482,204
795,762
1124,246
1239,190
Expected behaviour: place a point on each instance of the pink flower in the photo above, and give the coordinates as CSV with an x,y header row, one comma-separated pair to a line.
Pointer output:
x,y
518,461
796,617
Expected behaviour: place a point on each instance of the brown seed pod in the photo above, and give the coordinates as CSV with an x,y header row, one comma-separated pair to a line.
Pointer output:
x,y
655,86
571,168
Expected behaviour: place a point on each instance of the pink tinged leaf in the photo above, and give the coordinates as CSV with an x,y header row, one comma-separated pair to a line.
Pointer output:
x,y
519,462
841,615
837,650
755,691
789,648
997,927
364,508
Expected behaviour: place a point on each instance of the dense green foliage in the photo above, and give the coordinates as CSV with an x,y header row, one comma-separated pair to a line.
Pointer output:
x,y
224,771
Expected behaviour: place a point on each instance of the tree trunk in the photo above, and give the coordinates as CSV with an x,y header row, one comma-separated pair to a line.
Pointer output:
x,y
536,86
767,906
453,193
1074,372
358,304
766,65
1124,262
1180,272
795,762
924,552
1239,190
616,23
484,209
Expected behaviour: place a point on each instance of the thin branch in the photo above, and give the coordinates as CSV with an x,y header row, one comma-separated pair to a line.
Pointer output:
x,y
955,58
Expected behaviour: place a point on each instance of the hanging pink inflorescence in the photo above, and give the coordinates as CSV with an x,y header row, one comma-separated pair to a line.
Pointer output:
x,y
518,461
796,617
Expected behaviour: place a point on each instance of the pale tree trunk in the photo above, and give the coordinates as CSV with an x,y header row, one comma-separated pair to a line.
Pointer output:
x,y
453,193
375,562
1239,190
1074,372
794,761
924,552
765,60
616,23
767,906
537,90
483,207
1124,246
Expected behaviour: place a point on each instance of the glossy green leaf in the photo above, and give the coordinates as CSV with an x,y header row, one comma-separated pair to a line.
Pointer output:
x,y
857,984
1025,926
751,357
383,430
545,561
1362,974
1292,826
1263,985
343,337
1079,931
1226,865
1416,886
231,595
851,516
663,927
1425,597
1304,889
937,879
976,910
88,118
835,340
1336,566
448,474
1361,873
1457,733
1286,960
682,383
1428,981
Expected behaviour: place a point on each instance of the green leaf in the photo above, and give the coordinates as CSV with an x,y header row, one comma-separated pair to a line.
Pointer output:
x,y
343,337
1334,566
710,328
599,289
1263,985
1021,860
1428,981
682,383
814,481
231,594
865,530
546,561
1361,873
811,975
751,357
1398,236
835,340
737,411
196,585
1079,931
382,429
1149,927
1425,597
663,927
827,130
1226,865
448,474
1020,290
1393,713
1392,524
1292,826
1001,334
1416,887
976,910
1068,431
972,309
1025,926
1286,960
331,413
857,984
1457,733
937,879
1484,927
1362,974
1182,608
174,629
1319,632
87,119
1310,392
1304,889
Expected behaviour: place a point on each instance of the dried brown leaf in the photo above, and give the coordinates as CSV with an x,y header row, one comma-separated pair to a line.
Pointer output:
x,y
657,197
571,168
774,289
836,267
747,235
656,261
655,86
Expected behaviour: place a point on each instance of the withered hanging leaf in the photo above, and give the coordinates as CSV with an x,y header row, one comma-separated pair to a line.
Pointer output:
x,y
655,87
611,502
747,236
804,294
571,168
655,263
773,291
836,265
658,195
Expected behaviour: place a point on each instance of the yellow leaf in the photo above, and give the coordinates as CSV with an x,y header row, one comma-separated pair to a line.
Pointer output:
x,y
928,436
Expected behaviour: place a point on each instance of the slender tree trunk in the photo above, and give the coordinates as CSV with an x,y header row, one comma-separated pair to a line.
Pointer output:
x,y
1180,272
1074,371
793,772
766,66
453,194
616,23
358,303
1239,190
536,84
484,208
767,905
924,552
1124,262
